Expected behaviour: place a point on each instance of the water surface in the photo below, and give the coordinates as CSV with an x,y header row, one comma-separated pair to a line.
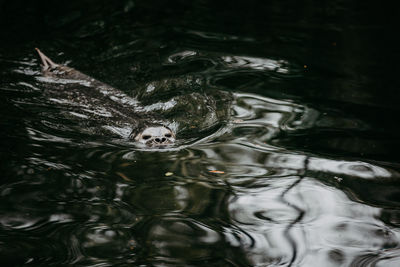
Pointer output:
x,y
287,118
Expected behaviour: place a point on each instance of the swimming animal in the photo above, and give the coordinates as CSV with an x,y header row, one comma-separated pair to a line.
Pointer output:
x,y
90,98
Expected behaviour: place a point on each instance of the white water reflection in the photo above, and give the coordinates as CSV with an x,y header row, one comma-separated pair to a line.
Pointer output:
x,y
234,61
332,224
239,155
174,58
339,167
256,63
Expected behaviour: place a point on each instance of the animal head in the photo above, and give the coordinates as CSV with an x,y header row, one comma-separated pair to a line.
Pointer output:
x,y
154,135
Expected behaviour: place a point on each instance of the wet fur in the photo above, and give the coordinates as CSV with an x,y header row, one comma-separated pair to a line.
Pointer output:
x,y
86,93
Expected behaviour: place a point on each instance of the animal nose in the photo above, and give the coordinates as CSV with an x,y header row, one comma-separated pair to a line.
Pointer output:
x,y
160,140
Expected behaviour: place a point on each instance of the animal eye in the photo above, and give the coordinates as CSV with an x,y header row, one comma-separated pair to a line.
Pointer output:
x,y
145,137
168,135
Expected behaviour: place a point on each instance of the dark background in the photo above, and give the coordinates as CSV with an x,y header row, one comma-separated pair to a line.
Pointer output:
x,y
351,43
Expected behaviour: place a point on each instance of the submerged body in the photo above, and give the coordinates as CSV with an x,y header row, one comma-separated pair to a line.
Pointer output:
x,y
88,97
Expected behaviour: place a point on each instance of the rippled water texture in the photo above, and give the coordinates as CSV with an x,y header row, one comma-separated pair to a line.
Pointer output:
x,y
286,116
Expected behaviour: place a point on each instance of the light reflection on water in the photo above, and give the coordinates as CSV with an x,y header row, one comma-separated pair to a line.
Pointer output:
x,y
249,190
270,204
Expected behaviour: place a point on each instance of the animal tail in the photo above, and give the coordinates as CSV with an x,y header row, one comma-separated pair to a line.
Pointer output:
x,y
46,62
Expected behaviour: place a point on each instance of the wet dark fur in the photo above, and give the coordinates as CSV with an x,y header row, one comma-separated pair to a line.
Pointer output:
x,y
86,94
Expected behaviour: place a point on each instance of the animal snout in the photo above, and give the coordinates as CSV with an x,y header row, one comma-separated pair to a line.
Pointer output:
x,y
160,140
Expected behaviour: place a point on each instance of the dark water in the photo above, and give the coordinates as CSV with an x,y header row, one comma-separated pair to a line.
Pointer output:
x,y
301,169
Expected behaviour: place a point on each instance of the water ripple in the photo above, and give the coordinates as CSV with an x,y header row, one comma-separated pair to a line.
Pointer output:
x,y
286,156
